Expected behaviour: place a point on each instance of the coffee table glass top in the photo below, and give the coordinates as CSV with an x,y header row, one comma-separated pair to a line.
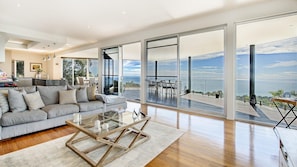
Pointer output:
x,y
109,122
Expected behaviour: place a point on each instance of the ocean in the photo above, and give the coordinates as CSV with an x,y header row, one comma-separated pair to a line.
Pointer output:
x,y
262,88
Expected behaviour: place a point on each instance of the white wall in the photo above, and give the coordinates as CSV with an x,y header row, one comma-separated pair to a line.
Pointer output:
x,y
27,57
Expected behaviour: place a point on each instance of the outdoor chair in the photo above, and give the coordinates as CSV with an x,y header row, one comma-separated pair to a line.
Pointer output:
x,y
83,81
152,86
166,86
92,81
174,89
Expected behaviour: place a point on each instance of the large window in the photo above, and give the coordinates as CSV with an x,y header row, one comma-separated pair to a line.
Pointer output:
x,y
162,71
93,67
187,71
74,68
202,71
111,70
266,65
131,71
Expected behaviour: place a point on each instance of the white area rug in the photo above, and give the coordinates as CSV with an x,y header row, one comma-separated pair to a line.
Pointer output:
x,y
55,154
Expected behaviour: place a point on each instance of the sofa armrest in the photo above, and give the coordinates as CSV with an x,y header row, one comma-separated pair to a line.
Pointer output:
x,y
110,99
101,97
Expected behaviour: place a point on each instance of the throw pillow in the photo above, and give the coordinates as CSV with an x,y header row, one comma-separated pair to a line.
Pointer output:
x,y
81,94
67,96
34,100
16,100
50,94
4,103
91,91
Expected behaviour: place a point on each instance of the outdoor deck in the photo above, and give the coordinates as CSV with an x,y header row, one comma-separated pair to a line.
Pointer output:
x,y
210,104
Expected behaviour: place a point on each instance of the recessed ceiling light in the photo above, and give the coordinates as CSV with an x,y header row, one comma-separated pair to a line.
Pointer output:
x,y
124,12
18,5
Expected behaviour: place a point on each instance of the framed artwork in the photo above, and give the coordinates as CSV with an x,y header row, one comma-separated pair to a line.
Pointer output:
x,y
35,66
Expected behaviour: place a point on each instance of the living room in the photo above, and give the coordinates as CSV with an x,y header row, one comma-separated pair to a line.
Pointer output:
x,y
228,23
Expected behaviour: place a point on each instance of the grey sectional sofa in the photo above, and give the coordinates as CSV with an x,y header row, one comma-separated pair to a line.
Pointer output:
x,y
30,109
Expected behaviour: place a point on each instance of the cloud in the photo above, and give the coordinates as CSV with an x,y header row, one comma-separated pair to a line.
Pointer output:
x,y
281,46
209,67
291,73
281,77
282,64
131,63
242,67
208,56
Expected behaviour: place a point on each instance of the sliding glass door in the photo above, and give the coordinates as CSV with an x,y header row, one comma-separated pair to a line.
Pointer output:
x,y
79,69
266,65
131,71
202,71
75,68
111,66
68,70
162,71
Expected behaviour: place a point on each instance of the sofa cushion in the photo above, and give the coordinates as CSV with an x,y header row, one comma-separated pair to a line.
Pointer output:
x,y
9,118
90,106
4,103
16,100
91,91
56,110
67,96
33,101
50,94
81,94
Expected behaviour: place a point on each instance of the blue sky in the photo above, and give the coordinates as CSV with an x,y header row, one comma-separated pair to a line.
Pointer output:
x,y
274,61
131,68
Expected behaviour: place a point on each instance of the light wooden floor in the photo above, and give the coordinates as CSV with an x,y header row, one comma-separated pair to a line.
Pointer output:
x,y
207,141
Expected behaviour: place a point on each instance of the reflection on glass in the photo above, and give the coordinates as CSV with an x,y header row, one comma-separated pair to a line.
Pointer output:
x,y
202,72
93,67
68,70
162,71
19,68
111,71
131,71
274,63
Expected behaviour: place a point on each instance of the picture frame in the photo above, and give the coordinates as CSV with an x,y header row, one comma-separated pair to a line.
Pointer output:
x,y
35,66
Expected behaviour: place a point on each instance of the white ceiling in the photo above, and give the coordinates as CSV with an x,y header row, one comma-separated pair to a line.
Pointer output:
x,y
54,25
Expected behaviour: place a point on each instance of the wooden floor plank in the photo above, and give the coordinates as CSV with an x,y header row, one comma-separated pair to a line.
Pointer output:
x,y
207,141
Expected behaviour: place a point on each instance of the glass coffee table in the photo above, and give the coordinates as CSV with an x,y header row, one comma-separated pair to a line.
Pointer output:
x,y
119,133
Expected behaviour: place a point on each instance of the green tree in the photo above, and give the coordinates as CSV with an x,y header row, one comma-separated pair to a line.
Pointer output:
x,y
293,93
67,70
277,93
